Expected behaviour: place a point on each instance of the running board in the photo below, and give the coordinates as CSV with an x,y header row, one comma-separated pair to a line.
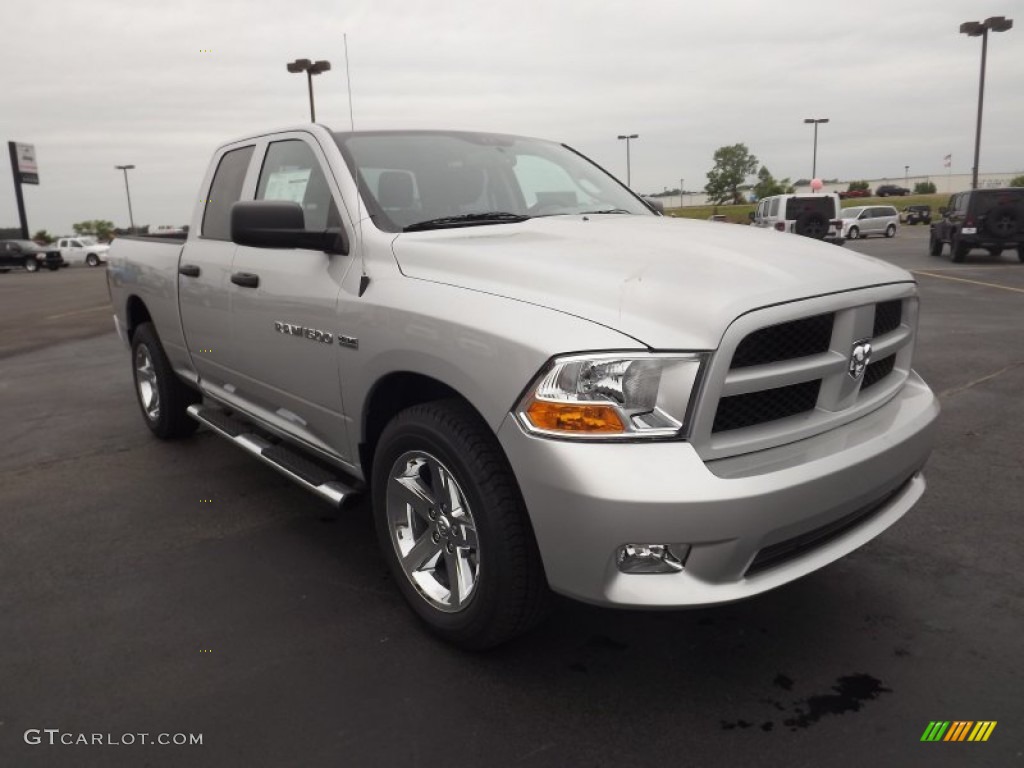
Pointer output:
x,y
290,463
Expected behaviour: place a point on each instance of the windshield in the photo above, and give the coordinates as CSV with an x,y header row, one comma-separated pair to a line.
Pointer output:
x,y
435,179
850,213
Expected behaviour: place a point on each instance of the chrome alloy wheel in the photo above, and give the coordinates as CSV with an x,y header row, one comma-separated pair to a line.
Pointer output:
x,y
145,381
433,531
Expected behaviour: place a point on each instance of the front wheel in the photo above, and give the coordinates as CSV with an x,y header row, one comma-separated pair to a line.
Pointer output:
x,y
890,231
162,396
853,234
92,260
453,526
934,245
31,266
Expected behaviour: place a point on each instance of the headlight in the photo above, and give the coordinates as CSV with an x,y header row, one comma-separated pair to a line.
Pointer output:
x,y
613,396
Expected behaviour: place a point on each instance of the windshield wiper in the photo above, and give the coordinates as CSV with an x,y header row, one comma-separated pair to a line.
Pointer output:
x,y
605,210
467,220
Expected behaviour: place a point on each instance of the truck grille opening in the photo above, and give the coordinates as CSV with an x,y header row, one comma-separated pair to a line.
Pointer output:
x,y
790,549
738,411
877,371
888,316
786,341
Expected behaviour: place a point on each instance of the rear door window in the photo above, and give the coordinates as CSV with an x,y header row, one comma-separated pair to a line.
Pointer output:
x,y
225,191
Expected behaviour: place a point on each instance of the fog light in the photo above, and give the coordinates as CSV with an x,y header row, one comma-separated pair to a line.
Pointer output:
x,y
652,558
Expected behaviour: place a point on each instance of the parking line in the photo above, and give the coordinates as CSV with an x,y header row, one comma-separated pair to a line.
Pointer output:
x,y
79,312
972,282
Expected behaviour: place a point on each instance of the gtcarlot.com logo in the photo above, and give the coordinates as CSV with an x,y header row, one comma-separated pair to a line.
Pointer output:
x,y
55,736
958,730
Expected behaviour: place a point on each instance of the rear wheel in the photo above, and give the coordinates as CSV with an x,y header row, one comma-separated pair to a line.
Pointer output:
x,y
890,231
162,396
958,249
853,234
31,266
996,252
453,527
812,225
934,245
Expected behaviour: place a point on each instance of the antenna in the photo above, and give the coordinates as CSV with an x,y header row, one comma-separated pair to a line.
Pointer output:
x,y
364,279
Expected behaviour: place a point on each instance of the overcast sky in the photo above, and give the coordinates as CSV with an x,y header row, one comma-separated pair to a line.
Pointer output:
x,y
104,82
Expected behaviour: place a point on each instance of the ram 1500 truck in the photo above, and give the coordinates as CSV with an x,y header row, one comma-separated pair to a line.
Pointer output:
x,y
542,384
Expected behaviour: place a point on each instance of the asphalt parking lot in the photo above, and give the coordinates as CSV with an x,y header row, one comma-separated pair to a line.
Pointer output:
x,y
150,587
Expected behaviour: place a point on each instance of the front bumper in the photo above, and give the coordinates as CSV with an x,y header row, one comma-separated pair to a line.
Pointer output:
x,y
587,499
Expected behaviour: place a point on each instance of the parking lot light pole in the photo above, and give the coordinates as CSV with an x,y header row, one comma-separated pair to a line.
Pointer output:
x,y
310,68
981,29
814,162
906,176
126,168
681,188
628,139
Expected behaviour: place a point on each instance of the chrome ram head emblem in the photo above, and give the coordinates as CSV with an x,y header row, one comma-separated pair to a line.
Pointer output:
x,y
860,356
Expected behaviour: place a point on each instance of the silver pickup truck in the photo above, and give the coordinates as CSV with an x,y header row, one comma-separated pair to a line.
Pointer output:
x,y
541,383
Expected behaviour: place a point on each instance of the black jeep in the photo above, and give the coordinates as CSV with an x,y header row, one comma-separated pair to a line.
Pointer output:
x,y
916,214
992,219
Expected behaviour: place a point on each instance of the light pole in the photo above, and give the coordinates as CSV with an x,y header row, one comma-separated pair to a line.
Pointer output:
x,y
906,176
310,68
681,188
980,29
814,163
628,139
126,168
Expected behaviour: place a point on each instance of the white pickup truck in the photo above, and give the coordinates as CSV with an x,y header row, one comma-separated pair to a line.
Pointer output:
x,y
83,249
541,383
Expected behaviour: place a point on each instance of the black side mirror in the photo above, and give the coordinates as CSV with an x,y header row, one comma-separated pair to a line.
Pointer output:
x,y
281,224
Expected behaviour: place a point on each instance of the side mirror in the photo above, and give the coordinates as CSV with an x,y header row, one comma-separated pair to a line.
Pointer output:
x,y
943,210
281,224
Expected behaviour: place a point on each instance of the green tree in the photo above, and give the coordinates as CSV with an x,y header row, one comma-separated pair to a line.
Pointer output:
x,y
1017,181
924,188
101,228
858,186
767,185
732,166
42,236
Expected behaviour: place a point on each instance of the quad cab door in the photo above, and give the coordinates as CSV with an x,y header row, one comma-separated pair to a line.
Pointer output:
x,y
204,270
284,306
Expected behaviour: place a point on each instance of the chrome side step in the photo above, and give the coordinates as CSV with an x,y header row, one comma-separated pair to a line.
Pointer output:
x,y
290,463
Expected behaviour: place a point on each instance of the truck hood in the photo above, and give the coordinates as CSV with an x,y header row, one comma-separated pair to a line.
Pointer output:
x,y
668,283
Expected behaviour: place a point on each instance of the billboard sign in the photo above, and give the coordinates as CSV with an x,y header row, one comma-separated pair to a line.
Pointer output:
x,y
27,168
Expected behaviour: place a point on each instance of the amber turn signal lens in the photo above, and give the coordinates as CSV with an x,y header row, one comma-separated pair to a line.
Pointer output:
x,y
574,417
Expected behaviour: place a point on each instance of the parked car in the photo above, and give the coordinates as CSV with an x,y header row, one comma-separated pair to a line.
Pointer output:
x,y
851,193
916,214
812,215
539,382
992,219
866,220
891,190
83,250
27,255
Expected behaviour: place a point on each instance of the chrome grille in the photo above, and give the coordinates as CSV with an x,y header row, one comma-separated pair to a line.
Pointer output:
x,y
782,373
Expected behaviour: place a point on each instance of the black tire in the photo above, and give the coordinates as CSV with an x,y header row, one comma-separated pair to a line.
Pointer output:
x,y
1020,253
92,260
4,270
812,225
31,265
53,267
890,231
1002,222
170,420
509,594
853,234
934,245
958,249
995,252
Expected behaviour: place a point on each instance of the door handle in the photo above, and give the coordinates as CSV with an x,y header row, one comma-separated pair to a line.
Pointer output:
x,y
188,270
246,279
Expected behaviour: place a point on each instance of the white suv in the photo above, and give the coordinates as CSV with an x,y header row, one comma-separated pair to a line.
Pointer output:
x,y
864,220
815,215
